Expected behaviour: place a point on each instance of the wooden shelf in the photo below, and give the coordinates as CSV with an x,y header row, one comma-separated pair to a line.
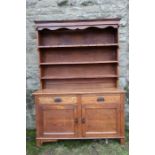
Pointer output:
x,y
76,63
78,90
86,45
78,77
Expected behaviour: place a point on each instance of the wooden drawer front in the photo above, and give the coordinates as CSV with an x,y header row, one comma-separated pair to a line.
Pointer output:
x,y
57,99
91,99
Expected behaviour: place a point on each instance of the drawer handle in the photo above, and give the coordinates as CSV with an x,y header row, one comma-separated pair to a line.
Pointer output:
x,y
83,120
57,99
76,120
100,99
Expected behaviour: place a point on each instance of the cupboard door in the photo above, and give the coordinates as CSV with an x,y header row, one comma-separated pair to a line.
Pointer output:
x,y
101,120
58,121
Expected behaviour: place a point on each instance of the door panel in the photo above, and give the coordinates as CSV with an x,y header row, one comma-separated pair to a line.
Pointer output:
x,y
100,120
59,121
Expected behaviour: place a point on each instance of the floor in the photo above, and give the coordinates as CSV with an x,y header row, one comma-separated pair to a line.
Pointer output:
x,y
77,147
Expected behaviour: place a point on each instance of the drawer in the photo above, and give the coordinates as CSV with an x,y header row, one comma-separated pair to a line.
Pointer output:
x,y
96,99
57,99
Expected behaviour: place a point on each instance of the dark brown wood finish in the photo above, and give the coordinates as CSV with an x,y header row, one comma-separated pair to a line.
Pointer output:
x,y
79,96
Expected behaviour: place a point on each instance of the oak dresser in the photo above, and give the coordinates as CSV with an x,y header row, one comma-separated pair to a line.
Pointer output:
x,y
79,96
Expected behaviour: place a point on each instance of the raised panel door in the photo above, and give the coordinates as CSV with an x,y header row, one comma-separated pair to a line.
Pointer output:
x,y
58,121
102,120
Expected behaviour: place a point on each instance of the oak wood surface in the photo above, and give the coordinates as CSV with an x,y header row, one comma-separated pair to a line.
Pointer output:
x,y
78,89
77,38
83,55
101,120
59,120
68,83
79,95
100,99
48,99
78,46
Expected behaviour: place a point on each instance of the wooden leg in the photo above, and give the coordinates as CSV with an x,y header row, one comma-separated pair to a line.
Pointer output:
x,y
122,140
38,142
106,141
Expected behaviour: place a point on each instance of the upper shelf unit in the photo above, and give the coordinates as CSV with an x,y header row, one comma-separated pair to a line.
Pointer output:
x,y
82,52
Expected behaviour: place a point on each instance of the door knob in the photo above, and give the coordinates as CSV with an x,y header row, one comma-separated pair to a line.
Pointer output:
x,y
83,120
76,120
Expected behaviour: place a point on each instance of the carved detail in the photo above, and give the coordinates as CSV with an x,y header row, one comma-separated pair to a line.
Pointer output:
x,y
76,27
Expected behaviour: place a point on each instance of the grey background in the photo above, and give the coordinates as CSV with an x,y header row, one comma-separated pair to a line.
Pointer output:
x,y
66,10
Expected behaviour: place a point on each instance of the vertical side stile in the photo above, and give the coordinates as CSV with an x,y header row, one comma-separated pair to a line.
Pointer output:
x,y
40,70
83,117
122,115
118,52
75,117
79,110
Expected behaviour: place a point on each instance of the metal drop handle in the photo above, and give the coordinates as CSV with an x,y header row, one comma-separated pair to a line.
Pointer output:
x,y
76,120
100,99
83,120
57,99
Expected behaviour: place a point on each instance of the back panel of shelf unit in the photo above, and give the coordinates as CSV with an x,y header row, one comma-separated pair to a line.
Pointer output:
x,y
83,54
79,70
83,72
82,83
77,37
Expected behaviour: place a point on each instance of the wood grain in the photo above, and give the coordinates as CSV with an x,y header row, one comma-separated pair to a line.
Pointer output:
x,y
48,99
79,96
59,120
93,99
101,120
